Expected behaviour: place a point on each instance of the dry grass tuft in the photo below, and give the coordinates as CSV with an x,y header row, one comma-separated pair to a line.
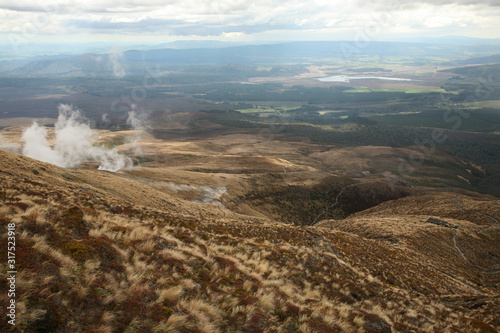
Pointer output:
x,y
4,212
170,294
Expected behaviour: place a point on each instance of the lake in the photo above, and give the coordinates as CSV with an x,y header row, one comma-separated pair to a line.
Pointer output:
x,y
343,78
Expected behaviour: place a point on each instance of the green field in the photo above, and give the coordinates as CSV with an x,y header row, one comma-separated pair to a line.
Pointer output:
x,y
270,107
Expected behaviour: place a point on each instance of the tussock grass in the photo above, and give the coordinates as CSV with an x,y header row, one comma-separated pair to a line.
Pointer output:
x,y
117,267
4,212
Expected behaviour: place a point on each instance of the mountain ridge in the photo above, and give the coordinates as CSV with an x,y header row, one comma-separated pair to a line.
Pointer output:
x,y
261,54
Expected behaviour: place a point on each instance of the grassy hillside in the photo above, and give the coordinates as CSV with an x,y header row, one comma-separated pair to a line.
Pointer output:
x,y
102,252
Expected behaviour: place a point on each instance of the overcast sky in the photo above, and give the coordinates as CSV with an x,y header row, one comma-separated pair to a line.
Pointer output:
x,y
241,20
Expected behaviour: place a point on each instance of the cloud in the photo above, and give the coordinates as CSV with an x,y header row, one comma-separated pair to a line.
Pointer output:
x,y
73,143
175,27
235,34
227,18
146,24
405,4
89,6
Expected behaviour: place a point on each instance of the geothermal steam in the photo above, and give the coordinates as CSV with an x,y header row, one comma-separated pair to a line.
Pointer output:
x,y
73,143
139,124
9,146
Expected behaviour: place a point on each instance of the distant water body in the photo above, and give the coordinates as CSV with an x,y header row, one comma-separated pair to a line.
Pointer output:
x,y
343,78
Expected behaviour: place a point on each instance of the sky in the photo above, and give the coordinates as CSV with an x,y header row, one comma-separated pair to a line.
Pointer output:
x,y
157,21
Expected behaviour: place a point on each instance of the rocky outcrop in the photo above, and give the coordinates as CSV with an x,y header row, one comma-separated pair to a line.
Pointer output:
x,y
441,223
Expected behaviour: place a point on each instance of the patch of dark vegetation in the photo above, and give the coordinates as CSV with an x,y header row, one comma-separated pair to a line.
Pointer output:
x,y
301,205
73,220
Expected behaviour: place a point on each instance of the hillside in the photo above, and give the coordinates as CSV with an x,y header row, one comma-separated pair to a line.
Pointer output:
x,y
108,252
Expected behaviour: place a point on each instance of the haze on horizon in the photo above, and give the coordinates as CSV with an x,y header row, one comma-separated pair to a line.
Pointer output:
x,y
154,21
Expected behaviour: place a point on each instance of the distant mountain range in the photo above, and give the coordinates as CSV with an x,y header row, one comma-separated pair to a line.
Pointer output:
x,y
455,40
134,62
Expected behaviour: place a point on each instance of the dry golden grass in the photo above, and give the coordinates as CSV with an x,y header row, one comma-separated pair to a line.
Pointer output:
x,y
4,212
115,264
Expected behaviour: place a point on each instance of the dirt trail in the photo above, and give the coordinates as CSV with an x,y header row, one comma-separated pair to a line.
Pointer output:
x,y
456,279
495,222
455,236
457,247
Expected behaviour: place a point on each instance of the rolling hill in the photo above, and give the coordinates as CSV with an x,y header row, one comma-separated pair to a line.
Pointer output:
x,y
111,252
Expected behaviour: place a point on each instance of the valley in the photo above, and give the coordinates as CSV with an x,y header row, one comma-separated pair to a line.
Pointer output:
x,y
254,196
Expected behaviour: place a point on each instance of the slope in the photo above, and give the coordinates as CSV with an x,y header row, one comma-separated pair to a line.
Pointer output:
x,y
102,252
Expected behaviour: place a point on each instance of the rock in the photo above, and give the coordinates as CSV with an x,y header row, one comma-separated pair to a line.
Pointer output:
x,y
441,223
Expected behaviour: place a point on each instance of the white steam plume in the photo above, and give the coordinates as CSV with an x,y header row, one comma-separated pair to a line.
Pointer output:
x,y
105,118
37,147
138,123
73,143
9,146
115,59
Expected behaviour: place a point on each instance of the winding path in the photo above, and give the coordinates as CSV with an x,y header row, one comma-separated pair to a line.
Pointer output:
x,y
457,247
454,278
495,221
455,236
455,241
